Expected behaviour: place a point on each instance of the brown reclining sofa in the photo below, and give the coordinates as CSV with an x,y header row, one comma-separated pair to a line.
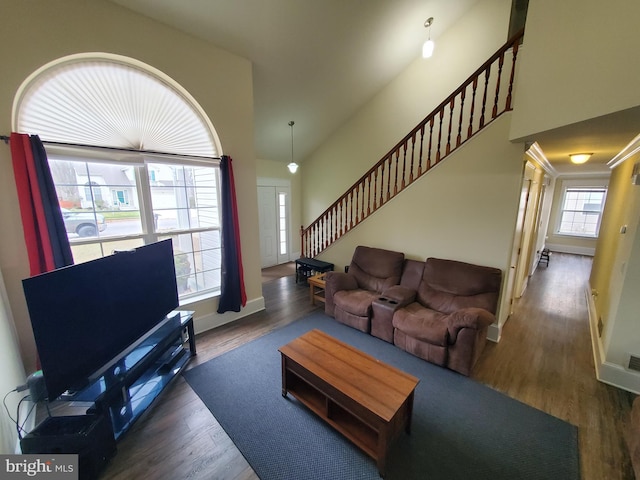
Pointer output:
x,y
439,310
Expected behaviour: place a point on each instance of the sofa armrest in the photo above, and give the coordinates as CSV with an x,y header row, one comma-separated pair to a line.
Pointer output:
x,y
335,282
472,317
400,295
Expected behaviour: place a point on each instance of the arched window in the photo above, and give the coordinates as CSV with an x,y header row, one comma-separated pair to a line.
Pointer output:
x,y
134,159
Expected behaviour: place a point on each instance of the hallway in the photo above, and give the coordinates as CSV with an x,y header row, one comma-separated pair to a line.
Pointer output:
x,y
545,360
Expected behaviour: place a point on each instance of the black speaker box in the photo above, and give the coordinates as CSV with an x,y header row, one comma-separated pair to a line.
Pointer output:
x,y
90,436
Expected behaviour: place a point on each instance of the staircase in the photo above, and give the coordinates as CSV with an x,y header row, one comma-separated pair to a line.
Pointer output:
x,y
482,98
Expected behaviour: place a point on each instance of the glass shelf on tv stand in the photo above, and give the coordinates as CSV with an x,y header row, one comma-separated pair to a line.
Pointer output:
x,y
130,384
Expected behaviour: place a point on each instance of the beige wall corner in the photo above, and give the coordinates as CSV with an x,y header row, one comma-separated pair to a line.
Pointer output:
x,y
464,209
591,72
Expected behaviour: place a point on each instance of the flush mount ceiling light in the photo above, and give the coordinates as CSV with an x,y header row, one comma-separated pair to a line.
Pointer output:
x,y
293,166
580,158
427,48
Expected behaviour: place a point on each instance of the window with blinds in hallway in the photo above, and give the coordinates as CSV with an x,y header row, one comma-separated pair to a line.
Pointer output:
x,y
582,211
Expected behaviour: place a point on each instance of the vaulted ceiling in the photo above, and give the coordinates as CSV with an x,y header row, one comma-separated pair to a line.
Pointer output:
x,y
316,62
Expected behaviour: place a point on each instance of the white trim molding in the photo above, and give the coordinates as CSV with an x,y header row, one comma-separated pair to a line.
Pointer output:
x,y
213,320
494,333
607,372
631,149
573,249
535,152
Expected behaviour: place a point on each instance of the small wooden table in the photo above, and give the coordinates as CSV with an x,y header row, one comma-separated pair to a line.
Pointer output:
x,y
316,288
366,400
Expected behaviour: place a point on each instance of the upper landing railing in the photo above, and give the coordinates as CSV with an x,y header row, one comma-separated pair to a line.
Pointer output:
x,y
482,98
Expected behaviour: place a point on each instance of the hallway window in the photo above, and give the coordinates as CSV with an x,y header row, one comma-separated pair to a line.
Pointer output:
x,y
582,211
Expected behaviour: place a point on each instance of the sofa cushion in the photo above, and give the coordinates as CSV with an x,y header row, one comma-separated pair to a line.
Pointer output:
x,y
422,323
435,354
449,285
357,302
412,274
354,321
376,269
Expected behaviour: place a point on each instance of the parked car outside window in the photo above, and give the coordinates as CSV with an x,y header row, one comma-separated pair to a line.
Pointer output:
x,y
83,224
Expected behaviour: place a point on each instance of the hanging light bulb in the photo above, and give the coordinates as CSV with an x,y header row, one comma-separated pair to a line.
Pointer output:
x,y
293,166
427,48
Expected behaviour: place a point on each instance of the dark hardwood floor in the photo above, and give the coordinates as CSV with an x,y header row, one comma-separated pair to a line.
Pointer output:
x,y
544,360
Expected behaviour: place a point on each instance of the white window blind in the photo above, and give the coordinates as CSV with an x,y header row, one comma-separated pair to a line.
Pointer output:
x,y
581,211
105,102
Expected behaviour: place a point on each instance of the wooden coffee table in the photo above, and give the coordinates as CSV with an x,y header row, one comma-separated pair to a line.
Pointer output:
x,y
366,400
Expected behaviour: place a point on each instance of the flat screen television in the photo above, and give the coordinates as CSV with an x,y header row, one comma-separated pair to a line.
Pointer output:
x,y
85,315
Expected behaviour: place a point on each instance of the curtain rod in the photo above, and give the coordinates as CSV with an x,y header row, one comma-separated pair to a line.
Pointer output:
x,y
5,139
116,149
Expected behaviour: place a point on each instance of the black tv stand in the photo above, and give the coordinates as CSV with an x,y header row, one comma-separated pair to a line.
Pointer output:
x,y
125,388
115,398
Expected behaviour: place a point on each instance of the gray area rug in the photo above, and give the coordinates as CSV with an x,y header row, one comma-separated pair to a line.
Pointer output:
x,y
460,430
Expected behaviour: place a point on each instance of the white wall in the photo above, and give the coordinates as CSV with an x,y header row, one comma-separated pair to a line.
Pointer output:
x,y
464,209
394,111
578,62
40,31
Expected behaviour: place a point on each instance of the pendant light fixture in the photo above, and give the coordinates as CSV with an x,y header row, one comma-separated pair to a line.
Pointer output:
x,y
427,48
293,166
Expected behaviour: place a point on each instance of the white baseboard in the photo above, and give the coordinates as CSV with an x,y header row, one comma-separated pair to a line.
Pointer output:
x,y
589,251
607,372
620,377
213,320
494,333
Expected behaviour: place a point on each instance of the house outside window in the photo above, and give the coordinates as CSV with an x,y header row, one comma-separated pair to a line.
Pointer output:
x,y
581,210
120,198
183,205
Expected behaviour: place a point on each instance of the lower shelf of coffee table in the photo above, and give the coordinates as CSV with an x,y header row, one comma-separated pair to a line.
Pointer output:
x,y
335,414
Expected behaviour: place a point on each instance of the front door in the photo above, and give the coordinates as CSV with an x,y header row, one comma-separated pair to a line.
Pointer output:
x,y
275,229
268,226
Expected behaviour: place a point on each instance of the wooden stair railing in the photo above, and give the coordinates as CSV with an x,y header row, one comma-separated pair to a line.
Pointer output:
x,y
458,118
